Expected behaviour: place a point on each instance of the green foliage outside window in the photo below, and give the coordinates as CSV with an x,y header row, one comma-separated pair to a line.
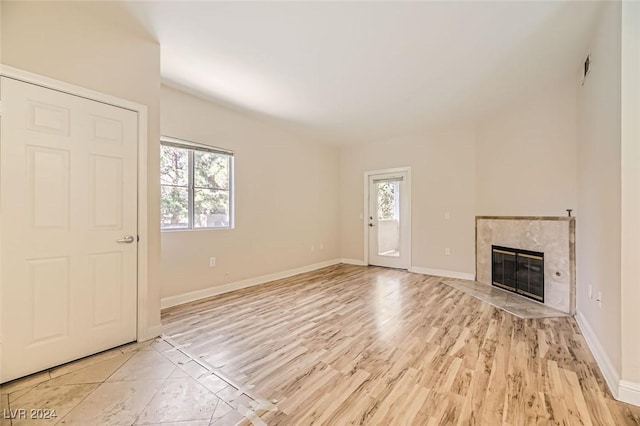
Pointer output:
x,y
195,188
387,193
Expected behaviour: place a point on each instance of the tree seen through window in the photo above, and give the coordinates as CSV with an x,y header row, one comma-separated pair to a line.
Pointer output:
x,y
195,188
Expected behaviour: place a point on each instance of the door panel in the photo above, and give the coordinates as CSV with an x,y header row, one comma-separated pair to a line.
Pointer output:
x,y
388,220
48,118
49,291
107,130
68,193
106,192
48,187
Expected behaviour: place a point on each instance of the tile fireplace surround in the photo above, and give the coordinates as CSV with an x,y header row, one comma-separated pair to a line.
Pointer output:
x,y
552,235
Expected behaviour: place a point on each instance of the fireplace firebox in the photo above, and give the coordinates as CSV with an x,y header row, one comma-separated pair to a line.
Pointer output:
x,y
520,271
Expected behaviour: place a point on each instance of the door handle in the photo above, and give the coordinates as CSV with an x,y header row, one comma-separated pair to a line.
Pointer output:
x,y
126,240
371,224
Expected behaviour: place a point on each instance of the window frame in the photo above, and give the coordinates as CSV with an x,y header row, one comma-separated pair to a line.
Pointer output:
x,y
191,148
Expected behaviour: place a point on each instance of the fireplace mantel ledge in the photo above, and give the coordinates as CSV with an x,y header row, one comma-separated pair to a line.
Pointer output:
x,y
561,218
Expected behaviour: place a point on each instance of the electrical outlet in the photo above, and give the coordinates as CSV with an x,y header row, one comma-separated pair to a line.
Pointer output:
x,y
447,215
447,251
212,262
321,246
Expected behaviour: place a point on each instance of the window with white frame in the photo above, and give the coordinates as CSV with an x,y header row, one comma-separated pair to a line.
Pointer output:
x,y
196,183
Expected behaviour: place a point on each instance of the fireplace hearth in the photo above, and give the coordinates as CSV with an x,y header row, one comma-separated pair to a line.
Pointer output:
x,y
519,271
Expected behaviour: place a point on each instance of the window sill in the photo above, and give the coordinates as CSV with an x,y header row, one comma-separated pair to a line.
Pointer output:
x,y
228,228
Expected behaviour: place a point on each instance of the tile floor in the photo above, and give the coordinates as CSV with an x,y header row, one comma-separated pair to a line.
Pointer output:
x,y
505,300
148,383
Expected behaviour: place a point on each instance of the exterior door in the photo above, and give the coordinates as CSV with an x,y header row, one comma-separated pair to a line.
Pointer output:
x,y
68,241
388,220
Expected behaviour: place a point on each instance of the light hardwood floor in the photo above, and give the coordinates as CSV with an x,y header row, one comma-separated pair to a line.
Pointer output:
x,y
367,345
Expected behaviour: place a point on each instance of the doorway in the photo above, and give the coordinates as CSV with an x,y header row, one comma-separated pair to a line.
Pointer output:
x,y
388,218
69,260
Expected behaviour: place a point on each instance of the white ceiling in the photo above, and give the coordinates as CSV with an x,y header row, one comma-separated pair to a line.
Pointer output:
x,y
349,72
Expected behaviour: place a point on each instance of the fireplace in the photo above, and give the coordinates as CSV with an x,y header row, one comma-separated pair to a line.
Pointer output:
x,y
520,271
553,235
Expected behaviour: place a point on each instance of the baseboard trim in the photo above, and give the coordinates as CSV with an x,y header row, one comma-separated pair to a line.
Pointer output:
x,y
356,262
443,273
170,301
629,392
602,359
150,333
622,390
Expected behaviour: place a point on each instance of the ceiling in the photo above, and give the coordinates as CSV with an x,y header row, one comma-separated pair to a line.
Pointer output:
x,y
353,72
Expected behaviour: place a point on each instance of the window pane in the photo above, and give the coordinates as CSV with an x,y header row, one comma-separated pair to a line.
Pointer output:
x,y
211,170
388,205
174,166
174,207
211,208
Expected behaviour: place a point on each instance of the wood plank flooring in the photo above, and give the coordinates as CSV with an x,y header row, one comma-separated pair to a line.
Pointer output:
x,y
366,345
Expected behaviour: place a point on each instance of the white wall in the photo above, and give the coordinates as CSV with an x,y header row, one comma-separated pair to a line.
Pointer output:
x,y
630,226
286,200
517,161
80,44
599,182
526,155
442,180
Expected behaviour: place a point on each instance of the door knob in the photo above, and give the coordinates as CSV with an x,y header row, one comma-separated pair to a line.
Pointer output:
x,y
126,240
371,224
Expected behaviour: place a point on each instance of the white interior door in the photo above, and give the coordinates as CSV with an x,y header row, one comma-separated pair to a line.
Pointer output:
x,y
68,198
388,220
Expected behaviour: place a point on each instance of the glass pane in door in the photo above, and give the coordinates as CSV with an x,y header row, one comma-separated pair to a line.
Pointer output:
x,y
388,208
